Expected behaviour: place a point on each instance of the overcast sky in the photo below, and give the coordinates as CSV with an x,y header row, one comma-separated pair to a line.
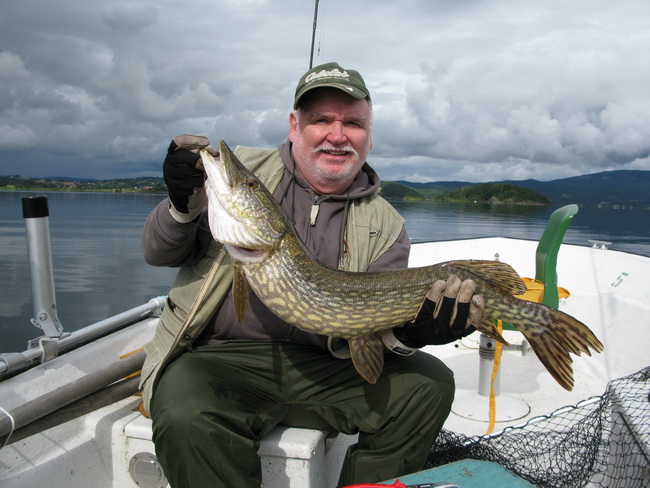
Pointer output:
x,y
470,90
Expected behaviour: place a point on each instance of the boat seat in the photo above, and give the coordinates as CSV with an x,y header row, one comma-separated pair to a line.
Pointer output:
x,y
546,261
289,456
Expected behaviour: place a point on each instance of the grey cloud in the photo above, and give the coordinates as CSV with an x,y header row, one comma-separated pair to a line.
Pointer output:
x,y
129,18
12,68
469,90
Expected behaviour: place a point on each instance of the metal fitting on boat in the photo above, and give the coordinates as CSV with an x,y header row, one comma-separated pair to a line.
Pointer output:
x,y
146,472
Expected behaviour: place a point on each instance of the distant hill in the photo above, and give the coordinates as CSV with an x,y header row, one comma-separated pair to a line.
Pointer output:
x,y
624,187
394,190
65,178
144,184
495,193
482,192
433,189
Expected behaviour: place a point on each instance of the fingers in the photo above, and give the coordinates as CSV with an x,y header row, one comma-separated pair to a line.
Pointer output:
x,y
456,303
185,162
461,321
476,309
213,151
448,291
185,149
436,291
190,142
446,305
466,291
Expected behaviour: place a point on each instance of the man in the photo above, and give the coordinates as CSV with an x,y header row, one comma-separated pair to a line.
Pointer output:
x,y
214,387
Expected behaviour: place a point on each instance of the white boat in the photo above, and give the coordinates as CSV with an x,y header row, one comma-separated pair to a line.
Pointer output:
x,y
71,419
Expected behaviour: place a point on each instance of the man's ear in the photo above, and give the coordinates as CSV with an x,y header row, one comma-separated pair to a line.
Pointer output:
x,y
293,125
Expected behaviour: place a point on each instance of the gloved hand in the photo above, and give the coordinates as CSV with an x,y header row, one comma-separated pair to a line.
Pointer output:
x,y
446,314
184,176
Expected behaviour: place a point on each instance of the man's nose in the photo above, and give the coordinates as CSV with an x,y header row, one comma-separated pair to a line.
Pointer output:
x,y
337,133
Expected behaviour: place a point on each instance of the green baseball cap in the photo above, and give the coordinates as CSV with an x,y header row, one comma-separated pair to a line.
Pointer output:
x,y
333,76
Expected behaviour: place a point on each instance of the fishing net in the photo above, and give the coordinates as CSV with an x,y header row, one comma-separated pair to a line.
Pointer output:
x,y
601,442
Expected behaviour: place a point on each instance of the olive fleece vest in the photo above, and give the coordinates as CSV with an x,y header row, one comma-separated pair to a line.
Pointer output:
x,y
372,226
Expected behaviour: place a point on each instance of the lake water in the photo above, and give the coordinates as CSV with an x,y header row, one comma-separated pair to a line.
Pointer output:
x,y
99,270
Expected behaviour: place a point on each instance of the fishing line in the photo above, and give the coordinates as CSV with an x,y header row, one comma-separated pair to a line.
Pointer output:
x,y
322,28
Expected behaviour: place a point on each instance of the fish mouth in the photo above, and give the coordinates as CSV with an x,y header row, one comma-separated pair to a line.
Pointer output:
x,y
247,255
233,217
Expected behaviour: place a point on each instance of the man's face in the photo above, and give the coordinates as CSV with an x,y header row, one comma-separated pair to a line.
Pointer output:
x,y
331,139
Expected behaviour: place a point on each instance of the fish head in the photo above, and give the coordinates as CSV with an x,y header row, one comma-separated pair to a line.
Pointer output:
x,y
242,213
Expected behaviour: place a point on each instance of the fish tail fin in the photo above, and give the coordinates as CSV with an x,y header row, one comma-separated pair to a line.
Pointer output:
x,y
367,353
576,336
555,340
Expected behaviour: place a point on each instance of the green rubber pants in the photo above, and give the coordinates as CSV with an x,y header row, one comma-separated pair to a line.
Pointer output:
x,y
212,406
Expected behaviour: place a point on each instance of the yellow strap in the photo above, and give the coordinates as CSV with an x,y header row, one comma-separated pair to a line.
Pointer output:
x,y
535,291
495,370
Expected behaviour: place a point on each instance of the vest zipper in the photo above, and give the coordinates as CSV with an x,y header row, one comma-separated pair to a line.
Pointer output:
x,y
315,207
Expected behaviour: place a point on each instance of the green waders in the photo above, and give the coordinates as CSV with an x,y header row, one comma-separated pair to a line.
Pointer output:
x,y
215,403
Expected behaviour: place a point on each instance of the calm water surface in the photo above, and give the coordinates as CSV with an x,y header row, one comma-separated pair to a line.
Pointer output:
x,y
627,229
99,270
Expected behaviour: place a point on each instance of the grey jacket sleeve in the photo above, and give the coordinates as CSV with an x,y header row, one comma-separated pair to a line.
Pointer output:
x,y
166,242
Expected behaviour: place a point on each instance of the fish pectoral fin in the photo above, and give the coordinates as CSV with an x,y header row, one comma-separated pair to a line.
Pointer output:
x,y
367,353
499,274
240,293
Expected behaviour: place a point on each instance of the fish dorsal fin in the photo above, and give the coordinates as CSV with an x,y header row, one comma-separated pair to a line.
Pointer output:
x,y
499,274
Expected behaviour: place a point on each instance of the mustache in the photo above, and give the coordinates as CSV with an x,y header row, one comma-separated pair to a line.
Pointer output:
x,y
348,149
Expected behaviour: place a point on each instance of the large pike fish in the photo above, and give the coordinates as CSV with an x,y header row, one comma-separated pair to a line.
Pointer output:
x,y
271,260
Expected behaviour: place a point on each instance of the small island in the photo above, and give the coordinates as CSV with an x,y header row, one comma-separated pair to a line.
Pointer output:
x,y
144,184
495,193
490,193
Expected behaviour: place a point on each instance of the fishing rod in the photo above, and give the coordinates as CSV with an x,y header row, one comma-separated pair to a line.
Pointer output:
x,y
313,34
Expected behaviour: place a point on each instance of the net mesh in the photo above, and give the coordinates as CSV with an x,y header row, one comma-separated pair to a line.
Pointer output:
x,y
601,442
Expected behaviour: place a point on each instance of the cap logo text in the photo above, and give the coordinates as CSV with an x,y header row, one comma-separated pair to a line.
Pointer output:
x,y
333,73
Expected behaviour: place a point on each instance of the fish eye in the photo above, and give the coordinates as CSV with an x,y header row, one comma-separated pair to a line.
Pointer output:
x,y
252,183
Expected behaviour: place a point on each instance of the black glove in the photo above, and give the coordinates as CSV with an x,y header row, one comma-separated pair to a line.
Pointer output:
x,y
446,314
183,174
